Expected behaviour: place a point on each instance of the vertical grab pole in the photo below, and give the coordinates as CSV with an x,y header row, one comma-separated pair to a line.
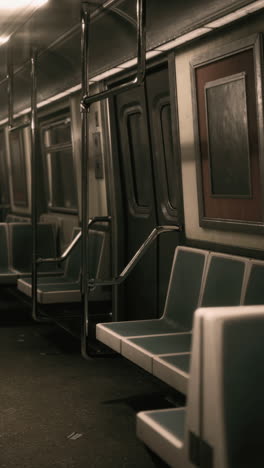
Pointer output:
x,y
33,128
85,20
10,85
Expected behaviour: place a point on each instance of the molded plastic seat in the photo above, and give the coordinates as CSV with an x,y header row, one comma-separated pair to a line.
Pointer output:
x,y
254,293
141,350
7,275
224,279
222,424
173,369
165,431
182,299
51,290
20,240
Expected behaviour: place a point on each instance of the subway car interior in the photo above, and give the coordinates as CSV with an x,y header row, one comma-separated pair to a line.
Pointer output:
x,y
131,233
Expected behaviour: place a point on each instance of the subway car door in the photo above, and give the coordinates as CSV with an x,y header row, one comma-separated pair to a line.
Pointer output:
x,y
141,141
167,172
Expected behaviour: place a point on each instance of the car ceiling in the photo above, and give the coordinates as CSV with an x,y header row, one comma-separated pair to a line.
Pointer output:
x,y
54,30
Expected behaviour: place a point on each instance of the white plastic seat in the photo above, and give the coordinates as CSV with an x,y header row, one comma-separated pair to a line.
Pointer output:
x,y
223,285
182,299
66,288
222,424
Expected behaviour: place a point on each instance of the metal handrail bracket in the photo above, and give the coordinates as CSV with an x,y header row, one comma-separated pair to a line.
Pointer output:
x,y
141,63
68,250
93,283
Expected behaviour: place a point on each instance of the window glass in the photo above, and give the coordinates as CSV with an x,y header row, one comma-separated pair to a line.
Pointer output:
x,y
60,133
18,169
167,141
139,164
63,189
61,172
4,193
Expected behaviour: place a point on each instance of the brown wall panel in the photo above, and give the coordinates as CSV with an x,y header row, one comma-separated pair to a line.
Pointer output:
x,y
246,209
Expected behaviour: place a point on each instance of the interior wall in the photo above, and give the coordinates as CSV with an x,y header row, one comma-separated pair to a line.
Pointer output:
x,y
97,186
183,59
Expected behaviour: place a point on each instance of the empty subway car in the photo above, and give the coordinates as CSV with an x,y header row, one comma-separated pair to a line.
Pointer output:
x,y
131,233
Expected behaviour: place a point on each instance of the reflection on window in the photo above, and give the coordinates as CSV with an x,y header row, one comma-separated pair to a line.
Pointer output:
x,y
60,133
62,183
4,195
138,159
19,182
166,130
61,173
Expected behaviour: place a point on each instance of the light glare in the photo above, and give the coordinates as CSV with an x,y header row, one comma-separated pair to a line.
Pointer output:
x,y
4,39
18,4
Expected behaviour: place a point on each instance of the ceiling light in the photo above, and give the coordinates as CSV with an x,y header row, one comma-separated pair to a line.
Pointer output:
x,y
183,39
18,4
4,39
227,19
255,6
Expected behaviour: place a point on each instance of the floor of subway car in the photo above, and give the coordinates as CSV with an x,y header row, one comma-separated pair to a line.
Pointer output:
x,y
59,410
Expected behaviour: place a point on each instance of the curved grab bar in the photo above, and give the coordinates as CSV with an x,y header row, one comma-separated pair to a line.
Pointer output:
x,y
87,100
92,283
67,251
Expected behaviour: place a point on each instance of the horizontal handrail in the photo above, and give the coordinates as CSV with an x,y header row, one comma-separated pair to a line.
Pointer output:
x,y
141,62
67,251
13,128
93,283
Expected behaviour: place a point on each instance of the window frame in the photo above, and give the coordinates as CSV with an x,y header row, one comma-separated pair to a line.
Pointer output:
x,y
16,203
53,148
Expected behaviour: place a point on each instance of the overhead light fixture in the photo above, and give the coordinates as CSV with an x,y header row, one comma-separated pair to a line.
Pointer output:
x,y
240,13
184,38
4,39
18,4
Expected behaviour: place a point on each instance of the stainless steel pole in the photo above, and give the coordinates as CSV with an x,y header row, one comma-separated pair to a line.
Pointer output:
x,y
87,99
10,84
85,19
33,128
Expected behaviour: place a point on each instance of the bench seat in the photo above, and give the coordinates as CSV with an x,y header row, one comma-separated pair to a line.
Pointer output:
x,y
174,369
20,246
182,299
66,288
143,349
218,280
223,421
163,432
7,274
113,333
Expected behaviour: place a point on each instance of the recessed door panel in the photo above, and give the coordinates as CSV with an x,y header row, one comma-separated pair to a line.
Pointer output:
x,y
138,202
150,192
166,171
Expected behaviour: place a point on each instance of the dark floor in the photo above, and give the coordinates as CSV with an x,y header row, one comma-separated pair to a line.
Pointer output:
x,y
59,410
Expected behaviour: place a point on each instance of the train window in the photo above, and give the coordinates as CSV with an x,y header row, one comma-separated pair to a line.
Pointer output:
x,y
60,133
59,160
18,169
139,170
4,193
167,143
